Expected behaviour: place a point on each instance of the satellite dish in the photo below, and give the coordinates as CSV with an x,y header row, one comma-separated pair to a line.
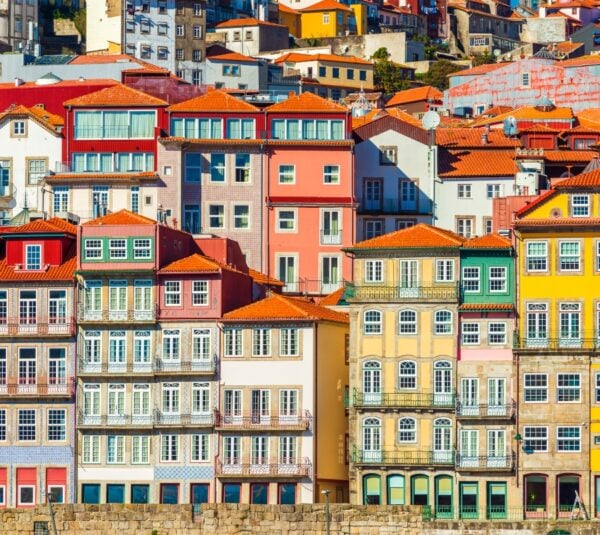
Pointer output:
x,y
510,126
497,52
430,120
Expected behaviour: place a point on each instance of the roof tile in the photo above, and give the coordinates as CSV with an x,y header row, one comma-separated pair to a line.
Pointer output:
x,y
489,241
262,278
306,102
417,236
476,307
214,101
122,217
298,57
117,96
243,22
326,5
54,225
61,272
453,137
416,94
591,179
476,163
195,263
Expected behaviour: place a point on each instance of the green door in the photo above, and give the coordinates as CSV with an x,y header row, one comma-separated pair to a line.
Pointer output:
x,y
468,500
496,500
443,497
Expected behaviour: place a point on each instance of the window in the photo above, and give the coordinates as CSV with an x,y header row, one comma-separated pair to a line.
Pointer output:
x,y
407,322
261,342
231,70
331,174
142,248
242,168
201,400
464,226
2,426
443,322
580,205
116,400
525,79
535,438
200,445
568,388
171,345
537,256
325,18
93,249
464,191
470,279
362,75
407,430
241,216
173,293
288,342
568,438
535,388
197,31
197,55
115,449
444,270
493,190
350,74
197,10
233,342
27,307
407,376
140,400
91,449
373,270
36,170
488,225
373,228
597,388
33,257
140,449
179,54
180,30
570,324
216,216
18,128
497,279
372,322
162,52
199,293
287,174
286,220
5,177
26,493
569,255
57,424
27,424
217,167
388,156
117,248
60,202
497,333
335,72
470,333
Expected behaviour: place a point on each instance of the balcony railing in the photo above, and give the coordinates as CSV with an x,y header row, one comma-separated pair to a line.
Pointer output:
x,y
260,423
376,293
564,342
312,286
181,420
404,458
84,314
37,327
202,367
331,238
264,468
86,367
64,388
485,463
118,421
396,400
486,411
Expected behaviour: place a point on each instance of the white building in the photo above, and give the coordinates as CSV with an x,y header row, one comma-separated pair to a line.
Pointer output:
x,y
30,141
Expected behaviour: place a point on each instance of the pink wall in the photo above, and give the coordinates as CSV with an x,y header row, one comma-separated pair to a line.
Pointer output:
x,y
186,309
485,354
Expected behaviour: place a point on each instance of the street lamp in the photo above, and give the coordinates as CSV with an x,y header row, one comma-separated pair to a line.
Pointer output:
x,y
327,519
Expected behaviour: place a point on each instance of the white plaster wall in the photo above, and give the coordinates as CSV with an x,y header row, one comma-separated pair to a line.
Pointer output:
x,y
100,29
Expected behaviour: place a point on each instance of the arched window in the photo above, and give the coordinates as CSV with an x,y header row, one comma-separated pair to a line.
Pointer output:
x,y
407,430
442,383
407,375
372,322
443,322
372,382
419,490
372,489
396,492
407,322
371,436
443,497
442,441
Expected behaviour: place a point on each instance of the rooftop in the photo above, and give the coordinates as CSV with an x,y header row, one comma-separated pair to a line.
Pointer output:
x,y
298,57
306,102
417,236
122,217
119,95
416,94
326,5
489,241
476,163
243,22
214,101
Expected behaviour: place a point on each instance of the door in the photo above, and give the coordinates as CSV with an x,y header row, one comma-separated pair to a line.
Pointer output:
x,y
442,441
537,325
409,278
443,497
260,406
469,448
372,440
191,219
331,232
286,273
260,454
408,195
372,383
373,194
469,396
442,384
497,397
233,407
496,449
468,500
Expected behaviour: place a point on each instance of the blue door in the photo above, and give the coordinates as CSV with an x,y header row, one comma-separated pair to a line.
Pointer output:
x,y
90,493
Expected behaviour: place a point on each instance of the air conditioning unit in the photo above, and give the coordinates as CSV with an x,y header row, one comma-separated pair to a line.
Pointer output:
x,y
505,232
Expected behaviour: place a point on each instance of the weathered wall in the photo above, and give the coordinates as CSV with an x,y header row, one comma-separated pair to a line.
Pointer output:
x,y
275,520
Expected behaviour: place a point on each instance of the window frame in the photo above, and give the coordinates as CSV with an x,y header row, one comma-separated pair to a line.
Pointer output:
x,y
372,327
530,389
539,438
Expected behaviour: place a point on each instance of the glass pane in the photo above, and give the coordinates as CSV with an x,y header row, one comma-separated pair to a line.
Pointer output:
x,y
140,493
231,493
169,494
90,493
287,494
200,493
115,493
260,493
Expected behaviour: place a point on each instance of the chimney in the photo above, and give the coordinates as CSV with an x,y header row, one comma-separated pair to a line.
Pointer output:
x,y
484,137
291,94
19,81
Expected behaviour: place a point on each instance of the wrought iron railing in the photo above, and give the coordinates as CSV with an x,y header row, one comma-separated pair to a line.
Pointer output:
x,y
485,463
183,419
552,341
41,326
412,400
485,410
65,387
264,468
378,293
404,458
85,314
301,422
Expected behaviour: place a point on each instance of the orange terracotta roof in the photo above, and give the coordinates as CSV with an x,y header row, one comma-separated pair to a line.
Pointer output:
x,y
243,22
589,117
489,241
306,102
195,263
122,217
214,101
495,110
530,112
477,307
476,163
61,272
543,197
279,308
38,114
593,59
559,222
557,156
403,116
472,137
116,96
540,128
326,5
567,47
480,69
53,226
416,94
286,9
262,278
420,235
333,298
105,177
376,114
230,56
298,57
587,128
591,180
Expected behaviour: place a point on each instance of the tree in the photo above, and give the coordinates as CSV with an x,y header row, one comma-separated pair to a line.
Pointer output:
x,y
438,72
79,19
482,59
387,75
381,53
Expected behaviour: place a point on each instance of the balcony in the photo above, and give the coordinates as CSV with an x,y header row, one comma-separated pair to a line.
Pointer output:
x,y
118,316
415,294
485,411
312,286
403,400
552,342
266,468
407,458
183,367
65,388
114,422
485,463
331,238
168,419
32,327
392,206
263,423
95,368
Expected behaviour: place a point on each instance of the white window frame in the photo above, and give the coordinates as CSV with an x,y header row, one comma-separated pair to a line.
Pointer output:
x,y
172,295
469,279
372,326
499,277
407,327
538,258
261,342
200,295
470,333
568,390
444,270
569,257
284,174
545,438
117,248
576,440
438,323
374,271
580,206
19,488
281,220
535,388
497,333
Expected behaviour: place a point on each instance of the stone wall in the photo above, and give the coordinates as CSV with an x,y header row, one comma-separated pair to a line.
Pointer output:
x,y
268,519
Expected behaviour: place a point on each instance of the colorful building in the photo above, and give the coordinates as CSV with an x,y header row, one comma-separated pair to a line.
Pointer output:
x,y
328,18
37,364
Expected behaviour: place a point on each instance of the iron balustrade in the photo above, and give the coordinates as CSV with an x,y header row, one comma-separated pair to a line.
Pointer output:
x,y
413,400
115,421
183,419
486,411
65,387
301,422
404,458
381,293
485,463
84,315
42,326
200,366
264,468
550,341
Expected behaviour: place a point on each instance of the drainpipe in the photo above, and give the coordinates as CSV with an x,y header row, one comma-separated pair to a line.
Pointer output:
x,y
315,458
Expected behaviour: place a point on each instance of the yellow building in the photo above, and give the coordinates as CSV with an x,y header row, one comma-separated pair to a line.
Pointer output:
x,y
557,238
328,18
404,321
291,18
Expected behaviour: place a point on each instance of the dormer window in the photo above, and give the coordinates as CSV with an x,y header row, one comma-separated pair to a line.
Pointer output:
x,y
580,205
18,129
33,257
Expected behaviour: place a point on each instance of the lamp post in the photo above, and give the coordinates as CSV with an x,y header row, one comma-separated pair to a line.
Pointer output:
x,y
327,519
